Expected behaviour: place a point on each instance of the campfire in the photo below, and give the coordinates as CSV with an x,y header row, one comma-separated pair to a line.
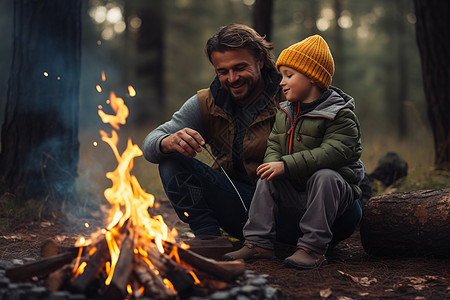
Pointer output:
x,y
135,255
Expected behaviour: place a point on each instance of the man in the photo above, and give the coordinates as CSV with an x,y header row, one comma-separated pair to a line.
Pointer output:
x,y
234,116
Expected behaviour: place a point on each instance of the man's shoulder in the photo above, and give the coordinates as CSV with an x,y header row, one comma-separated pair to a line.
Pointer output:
x,y
204,94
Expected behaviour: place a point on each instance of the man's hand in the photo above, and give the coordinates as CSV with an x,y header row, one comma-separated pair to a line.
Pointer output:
x,y
185,141
270,170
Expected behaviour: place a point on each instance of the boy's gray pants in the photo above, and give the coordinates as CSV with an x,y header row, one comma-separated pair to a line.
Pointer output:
x,y
327,197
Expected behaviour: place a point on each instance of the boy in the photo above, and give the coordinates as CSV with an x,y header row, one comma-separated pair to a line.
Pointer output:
x,y
311,168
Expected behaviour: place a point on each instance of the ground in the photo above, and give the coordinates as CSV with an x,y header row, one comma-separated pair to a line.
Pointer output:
x,y
351,273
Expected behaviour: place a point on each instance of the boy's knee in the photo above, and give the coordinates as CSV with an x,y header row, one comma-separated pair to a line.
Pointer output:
x,y
325,175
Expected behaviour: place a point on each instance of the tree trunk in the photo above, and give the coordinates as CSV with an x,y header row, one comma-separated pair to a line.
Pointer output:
x,y
402,90
149,59
407,224
39,154
433,38
262,17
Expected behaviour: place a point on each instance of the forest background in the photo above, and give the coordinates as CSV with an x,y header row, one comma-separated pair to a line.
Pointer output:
x,y
157,47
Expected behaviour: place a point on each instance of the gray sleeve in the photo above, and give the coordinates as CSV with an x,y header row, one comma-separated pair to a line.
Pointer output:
x,y
188,116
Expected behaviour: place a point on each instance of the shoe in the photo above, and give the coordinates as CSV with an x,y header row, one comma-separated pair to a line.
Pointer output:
x,y
305,258
249,251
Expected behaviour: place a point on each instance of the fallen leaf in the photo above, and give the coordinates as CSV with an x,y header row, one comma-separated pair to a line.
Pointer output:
x,y
364,281
326,293
46,224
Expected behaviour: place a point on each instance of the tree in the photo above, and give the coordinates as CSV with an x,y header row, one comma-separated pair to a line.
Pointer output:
x,y
262,17
39,139
433,38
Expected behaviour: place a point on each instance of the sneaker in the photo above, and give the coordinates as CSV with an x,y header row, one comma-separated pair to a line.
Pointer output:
x,y
249,251
305,258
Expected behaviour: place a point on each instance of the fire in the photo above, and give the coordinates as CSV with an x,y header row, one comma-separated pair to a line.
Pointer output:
x,y
129,206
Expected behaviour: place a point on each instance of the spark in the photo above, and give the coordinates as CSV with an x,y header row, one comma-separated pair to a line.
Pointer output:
x,y
131,91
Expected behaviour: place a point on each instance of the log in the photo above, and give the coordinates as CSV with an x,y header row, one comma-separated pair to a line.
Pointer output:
x,y
117,289
407,224
176,273
153,284
39,268
226,270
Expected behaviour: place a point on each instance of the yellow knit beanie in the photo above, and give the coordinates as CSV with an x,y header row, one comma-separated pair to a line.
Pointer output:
x,y
311,57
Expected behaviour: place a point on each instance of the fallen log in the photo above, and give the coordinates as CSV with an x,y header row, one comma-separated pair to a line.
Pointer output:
x,y
407,224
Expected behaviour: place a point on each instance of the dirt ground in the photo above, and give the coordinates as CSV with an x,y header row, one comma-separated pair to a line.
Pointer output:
x,y
351,273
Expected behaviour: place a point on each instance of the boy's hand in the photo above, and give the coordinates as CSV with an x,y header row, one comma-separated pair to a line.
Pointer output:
x,y
270,170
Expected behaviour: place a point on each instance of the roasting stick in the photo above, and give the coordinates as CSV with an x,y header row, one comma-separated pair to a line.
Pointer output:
x,y
223,170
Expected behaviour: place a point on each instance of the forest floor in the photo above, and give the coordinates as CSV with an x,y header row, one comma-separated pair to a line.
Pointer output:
x,y
351,273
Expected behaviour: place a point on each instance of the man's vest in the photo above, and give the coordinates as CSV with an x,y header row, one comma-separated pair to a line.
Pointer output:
x,y
220,130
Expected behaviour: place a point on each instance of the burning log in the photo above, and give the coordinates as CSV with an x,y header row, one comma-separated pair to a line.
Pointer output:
x,y
152,283
117,287
226,270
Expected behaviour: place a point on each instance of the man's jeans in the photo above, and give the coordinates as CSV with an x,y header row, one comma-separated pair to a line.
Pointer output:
x,y
203,197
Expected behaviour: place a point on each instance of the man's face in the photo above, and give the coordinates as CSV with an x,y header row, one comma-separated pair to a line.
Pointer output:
x,y
238,71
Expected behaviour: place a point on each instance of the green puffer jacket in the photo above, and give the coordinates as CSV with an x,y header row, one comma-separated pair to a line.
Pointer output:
x,y
328,137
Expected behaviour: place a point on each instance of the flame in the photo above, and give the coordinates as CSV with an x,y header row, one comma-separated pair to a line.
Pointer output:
x,y
119,108
98,88
129,203
103,76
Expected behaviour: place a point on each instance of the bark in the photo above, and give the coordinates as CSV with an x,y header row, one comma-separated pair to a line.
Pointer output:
x,y
407,224
262,18
39,138
433,38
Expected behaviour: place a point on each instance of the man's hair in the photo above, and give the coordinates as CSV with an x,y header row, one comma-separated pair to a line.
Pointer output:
x,y
237,36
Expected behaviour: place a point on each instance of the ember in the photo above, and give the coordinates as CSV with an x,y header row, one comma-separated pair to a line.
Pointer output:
x,y
135,255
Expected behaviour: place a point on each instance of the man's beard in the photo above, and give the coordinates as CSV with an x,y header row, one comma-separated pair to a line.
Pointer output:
x,y
250,90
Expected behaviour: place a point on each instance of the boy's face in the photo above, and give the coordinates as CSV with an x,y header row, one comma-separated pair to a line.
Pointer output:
x,y
238,71
297,87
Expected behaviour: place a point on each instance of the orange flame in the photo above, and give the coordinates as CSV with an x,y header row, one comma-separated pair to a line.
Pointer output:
x,y
128,201
119,108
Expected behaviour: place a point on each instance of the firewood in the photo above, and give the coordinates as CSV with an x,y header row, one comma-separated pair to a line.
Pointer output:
x,y
95,264
153,284
117,288
226,270
96,261
59,278
39,268
407,224
49,248
175,273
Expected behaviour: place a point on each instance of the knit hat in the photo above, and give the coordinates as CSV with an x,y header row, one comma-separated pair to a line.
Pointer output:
x,y
311,57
